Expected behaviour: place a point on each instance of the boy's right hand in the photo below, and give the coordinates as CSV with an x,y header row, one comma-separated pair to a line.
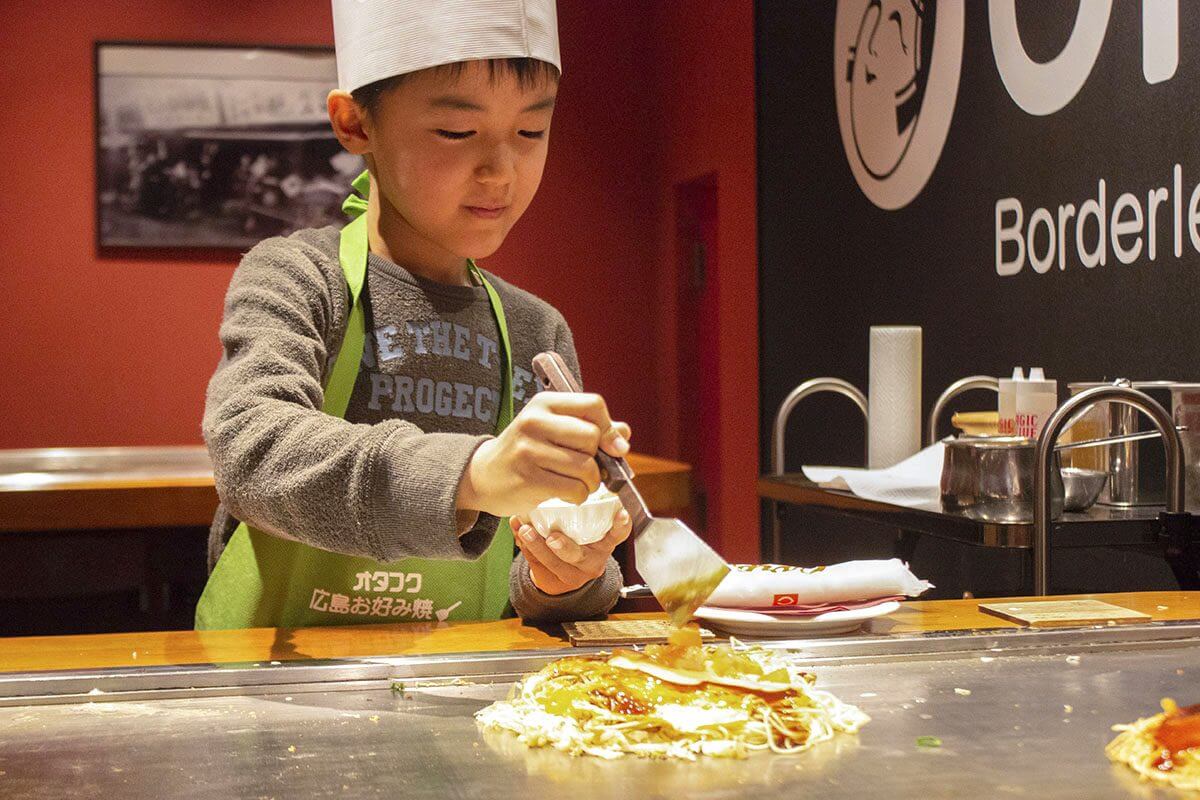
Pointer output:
x,y
547,451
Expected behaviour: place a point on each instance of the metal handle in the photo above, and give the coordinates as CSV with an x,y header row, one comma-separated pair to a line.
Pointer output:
x,y
1121,395
553,372
1129,437
952,391
809,387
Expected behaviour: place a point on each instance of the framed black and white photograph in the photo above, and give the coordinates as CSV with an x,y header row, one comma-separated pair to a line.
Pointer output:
x,y
215,145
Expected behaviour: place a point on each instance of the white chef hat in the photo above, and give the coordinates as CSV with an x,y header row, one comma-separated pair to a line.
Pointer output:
x,y
377,39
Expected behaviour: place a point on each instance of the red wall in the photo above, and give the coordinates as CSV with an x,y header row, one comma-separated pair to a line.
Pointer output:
x,y
705,70
102,349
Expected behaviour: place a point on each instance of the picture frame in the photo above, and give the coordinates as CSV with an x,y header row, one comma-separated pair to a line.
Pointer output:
x,y
202,145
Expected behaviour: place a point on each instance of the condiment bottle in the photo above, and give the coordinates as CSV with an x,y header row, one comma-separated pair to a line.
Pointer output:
x,y
1036,400
1008,402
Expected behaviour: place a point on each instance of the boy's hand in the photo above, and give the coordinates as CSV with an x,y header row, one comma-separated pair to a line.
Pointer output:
x,y
557,564
547,451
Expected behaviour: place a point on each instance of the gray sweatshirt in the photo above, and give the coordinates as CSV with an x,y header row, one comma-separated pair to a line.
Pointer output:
x,y
382,482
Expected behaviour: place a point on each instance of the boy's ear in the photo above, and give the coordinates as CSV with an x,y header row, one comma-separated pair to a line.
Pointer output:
x,y
348,119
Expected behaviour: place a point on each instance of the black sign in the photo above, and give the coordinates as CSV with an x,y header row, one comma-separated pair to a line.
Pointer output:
x,y
1021,179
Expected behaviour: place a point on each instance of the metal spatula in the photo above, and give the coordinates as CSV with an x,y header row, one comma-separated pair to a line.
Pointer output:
x,y
678,566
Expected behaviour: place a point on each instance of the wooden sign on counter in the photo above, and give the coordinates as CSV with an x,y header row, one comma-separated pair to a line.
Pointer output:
x,y
611,632
1062,613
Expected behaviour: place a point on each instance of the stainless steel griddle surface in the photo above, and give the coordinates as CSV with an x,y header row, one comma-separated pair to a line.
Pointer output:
x,y
1014,722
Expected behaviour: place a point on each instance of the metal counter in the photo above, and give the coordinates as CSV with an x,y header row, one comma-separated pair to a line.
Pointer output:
x,y
1020,713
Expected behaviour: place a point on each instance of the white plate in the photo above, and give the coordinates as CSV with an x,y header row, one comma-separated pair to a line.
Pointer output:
x,y
755,623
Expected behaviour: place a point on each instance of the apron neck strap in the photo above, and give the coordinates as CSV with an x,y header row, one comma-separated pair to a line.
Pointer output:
x,y
356,203
505,414
352,246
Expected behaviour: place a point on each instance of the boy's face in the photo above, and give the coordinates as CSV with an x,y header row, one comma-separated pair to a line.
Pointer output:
x,y
458,158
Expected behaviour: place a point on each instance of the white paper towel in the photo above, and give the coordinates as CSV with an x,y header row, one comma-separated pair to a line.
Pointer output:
x,y
894,395
914,482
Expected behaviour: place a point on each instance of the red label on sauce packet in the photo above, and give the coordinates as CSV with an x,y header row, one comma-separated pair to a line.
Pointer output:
x,y
792,607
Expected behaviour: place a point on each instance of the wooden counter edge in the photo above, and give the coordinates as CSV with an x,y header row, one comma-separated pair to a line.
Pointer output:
x,y
174,648
182,501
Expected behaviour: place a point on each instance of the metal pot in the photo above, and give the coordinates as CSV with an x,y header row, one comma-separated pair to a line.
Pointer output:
x,y
1185,408
1135,469
990,478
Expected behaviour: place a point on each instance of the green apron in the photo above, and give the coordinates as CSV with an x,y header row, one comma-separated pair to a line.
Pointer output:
x,y
263,580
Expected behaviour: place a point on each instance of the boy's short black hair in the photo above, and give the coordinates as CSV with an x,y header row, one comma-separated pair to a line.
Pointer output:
x,y
528,72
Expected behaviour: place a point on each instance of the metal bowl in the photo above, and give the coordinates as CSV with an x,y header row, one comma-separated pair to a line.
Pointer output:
x,y
990,479
1081,487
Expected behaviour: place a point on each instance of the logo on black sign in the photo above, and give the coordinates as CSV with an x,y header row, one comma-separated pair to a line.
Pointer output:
x,y
896,70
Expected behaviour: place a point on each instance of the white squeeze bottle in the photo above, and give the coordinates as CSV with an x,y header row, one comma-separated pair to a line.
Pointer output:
x,y
1008,402
1036,400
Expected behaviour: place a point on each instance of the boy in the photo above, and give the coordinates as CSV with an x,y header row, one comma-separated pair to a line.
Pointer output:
x,y
359,421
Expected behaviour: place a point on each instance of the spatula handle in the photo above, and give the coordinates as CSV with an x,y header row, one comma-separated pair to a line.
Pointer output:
x,y
553,372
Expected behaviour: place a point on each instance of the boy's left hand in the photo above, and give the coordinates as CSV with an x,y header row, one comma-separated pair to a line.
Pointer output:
x,y
557,564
